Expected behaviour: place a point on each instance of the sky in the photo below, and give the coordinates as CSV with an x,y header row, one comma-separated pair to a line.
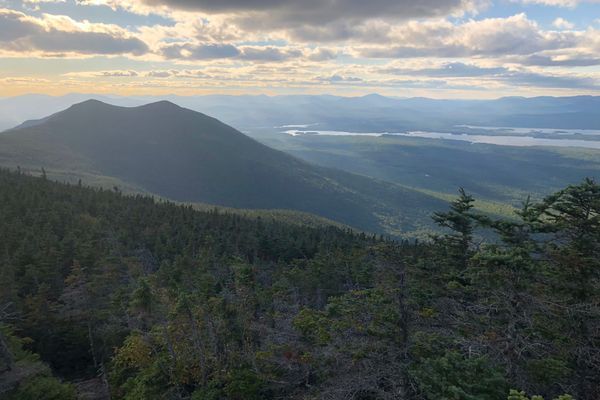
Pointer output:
x,y
403,48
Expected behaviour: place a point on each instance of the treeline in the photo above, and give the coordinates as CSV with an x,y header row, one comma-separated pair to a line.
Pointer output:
x,y
152,300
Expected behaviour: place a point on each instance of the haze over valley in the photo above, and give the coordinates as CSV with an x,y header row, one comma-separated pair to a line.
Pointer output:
x,y
415,148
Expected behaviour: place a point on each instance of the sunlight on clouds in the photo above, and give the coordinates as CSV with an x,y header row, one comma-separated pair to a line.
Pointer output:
x,y
562,23
383,45
59,35
557,3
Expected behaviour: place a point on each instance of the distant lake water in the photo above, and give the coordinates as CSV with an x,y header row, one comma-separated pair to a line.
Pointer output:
x,y
526,131
514,140
295,132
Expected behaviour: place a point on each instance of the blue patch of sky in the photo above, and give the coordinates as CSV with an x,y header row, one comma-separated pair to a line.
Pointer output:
x,y
581,16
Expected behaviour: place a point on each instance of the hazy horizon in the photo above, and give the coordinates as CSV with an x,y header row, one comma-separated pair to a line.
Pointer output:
x,y
165,96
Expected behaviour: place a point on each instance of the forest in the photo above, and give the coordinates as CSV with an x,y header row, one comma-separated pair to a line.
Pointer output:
x,y
105,295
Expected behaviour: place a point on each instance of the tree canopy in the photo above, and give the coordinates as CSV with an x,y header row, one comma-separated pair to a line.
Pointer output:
x,y
145,299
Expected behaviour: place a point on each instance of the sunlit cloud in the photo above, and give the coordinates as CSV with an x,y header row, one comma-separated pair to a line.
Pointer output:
x,y
315,45
55,35
557,3
562,23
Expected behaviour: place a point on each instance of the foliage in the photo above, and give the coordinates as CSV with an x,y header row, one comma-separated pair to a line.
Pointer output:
x,y
43,388
453,376
160,300
517,395
28,378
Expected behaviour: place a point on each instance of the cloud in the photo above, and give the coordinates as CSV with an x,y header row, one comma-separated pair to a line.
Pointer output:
x,y
333,79
561,60
456,69
172,73
322,54
374,31
160,74
314,12
274,44
23,80
104,74
118,73
214,51
550,81
557,3
513,35
209,51
562,23
492,37
268,54
59,34
43,1
296,20
471,77
458,73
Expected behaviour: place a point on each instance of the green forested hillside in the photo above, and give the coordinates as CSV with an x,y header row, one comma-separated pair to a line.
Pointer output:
x,y
502,175
152,300
183,155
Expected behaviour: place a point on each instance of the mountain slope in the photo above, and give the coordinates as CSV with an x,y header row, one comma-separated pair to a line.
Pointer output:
x,y
184,155
15,110
371,113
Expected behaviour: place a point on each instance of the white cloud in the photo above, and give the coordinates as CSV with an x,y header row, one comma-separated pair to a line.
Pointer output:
x,y
448,70
321,11
492,37
557,3
219,45
554,3
56,35
562,23
558,59
43,1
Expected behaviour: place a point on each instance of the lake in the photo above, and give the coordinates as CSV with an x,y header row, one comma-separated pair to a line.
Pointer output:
x,y
508,140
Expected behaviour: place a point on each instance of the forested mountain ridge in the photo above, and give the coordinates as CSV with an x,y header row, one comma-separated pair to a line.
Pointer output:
x,y
183,155
160,301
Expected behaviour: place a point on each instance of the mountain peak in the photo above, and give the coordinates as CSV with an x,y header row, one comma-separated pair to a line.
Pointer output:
x,y
374,96
95,104
90,103
162,104
185,155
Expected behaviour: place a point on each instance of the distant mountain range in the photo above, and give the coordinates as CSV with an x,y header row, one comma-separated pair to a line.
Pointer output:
x,y
183,155
367,113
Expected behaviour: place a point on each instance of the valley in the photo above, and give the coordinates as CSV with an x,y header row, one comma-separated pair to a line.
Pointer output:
x,y
503,175
376,170
178,154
